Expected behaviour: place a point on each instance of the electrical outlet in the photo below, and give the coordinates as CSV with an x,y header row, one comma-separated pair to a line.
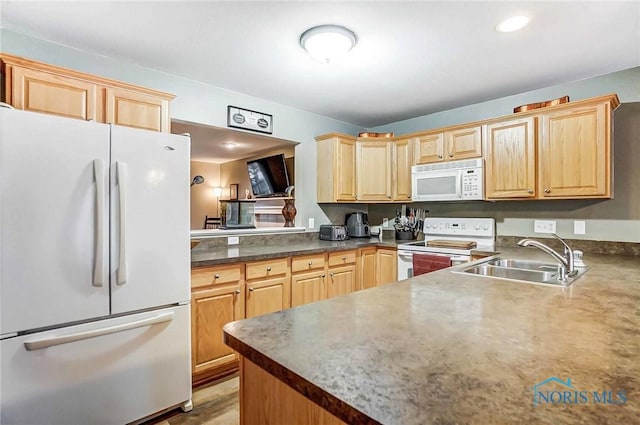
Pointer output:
x,y
544,226
312,223
579,227
385,223
233,240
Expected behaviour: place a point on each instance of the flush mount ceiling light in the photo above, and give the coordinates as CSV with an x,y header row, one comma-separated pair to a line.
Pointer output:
x,y
326,43
513,23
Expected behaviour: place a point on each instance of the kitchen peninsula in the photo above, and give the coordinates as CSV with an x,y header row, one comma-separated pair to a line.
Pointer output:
x,y
450,348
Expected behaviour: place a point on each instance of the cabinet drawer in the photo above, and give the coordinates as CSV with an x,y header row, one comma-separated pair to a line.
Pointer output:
x,y
308,262
340,258
264,269
214,275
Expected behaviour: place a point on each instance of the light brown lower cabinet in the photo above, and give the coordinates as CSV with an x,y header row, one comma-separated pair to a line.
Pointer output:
x,y
386,266
212,306
308,287
226,293
367,268
264,399
268,287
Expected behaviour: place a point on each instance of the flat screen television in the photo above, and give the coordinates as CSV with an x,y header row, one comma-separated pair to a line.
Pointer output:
x,y
268,176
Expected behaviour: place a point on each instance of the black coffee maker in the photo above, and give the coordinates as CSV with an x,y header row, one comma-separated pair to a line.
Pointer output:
x,y
357,225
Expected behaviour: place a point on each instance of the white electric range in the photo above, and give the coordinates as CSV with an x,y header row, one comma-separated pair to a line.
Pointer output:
x,y
465,234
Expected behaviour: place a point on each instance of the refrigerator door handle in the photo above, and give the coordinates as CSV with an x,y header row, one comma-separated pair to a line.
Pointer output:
x,y
121,170
99,175
39,344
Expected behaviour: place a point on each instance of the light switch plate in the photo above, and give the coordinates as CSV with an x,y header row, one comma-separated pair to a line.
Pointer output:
x,y
579,227
233,240
312,223
544,226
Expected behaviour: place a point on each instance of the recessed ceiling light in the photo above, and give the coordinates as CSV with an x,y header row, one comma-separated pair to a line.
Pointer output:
x,y
326,43
513,23
229,145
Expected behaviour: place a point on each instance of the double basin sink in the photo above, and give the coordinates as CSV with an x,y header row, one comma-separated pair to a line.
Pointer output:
x,y
522,271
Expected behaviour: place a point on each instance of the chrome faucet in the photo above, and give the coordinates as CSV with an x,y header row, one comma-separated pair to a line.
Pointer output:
x,y
568,268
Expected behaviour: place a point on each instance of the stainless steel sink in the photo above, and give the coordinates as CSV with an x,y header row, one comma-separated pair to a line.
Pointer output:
x,y
521,271
524,264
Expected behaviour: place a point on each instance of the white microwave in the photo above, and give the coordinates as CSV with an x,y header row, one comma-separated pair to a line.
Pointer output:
x,y
448,181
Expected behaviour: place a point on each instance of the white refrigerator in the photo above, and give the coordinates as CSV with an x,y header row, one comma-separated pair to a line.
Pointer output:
x,y
95,271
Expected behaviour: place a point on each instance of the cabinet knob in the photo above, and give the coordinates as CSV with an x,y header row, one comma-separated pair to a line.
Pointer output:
x,y
547,190
408,196
450,155
389,196
344,257
310,262
250,290
268,269
237,291
440,156
216,276
530,191
331,274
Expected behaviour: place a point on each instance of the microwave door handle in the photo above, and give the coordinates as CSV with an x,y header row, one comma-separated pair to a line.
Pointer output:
x,y
459,185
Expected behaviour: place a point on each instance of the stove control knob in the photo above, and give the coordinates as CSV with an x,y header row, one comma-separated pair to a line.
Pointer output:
x,y
485,227
428,226
477,227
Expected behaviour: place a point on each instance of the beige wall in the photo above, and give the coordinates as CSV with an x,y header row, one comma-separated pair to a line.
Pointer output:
x,y
202,200
236,171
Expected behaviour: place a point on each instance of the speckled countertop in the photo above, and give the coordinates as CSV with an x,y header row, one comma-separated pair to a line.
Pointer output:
x,y
235,253
447,348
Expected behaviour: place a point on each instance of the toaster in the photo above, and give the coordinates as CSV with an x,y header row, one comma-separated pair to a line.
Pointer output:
x,y
333,232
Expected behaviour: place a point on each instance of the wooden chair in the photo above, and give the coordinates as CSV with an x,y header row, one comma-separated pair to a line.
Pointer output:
x,y
211,222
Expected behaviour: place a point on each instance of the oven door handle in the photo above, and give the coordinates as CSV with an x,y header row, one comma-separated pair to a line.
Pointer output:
x,y
406,254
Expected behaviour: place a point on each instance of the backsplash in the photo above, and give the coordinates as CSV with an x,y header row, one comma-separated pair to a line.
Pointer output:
x,y
259,240
586,246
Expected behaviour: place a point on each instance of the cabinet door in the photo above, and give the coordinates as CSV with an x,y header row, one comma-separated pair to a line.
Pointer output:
x,y
373,173
211,309
510,156
50,93
344,170
367,268
135,109
308,288
386,266
575,153
267,296
342,281
403,160
430,148
463,143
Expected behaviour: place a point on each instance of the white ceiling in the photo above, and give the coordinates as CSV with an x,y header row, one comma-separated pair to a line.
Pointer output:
x,y
412,58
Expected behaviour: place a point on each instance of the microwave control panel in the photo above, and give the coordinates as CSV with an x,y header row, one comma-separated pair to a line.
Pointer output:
x,y
472,184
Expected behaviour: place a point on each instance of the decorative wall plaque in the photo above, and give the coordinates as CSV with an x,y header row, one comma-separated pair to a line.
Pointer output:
x,y
249,120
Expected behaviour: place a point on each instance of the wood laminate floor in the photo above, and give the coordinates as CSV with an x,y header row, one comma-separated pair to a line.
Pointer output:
x,y
213,404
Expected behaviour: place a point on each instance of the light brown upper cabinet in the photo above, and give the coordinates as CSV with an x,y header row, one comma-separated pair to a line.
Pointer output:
x,y
449,145
135,109
363,169
39,87
510,159
336,168
561,152
575,151
401,166
374,163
